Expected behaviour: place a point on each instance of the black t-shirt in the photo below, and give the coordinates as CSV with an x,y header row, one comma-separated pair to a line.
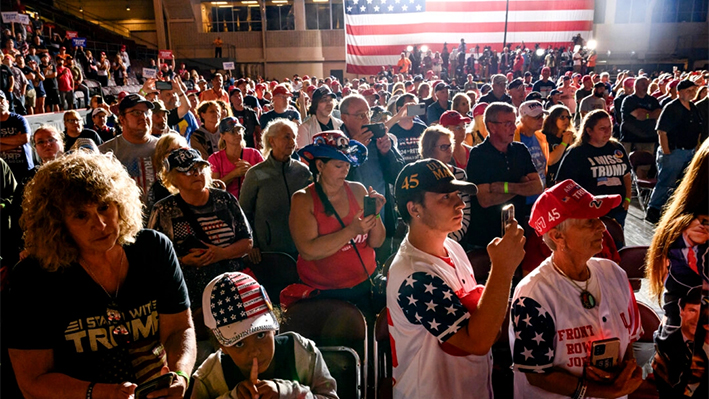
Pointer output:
x,y
50,84
599,170
248,118
490,98
552,169
544,87
290,114
488,165
633,102
326,127
617,107
683,126
86,133
408,140
66,311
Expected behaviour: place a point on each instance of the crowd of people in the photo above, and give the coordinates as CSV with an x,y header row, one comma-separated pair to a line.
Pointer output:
x,y
136,223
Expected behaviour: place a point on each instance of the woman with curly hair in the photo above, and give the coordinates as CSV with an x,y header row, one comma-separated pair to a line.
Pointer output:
x,y
676,267
99,305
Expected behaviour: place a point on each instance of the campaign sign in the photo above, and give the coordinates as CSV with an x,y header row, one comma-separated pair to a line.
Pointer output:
x,y
228,66
23,19
72,34
8,17
78,42
165,54
149,73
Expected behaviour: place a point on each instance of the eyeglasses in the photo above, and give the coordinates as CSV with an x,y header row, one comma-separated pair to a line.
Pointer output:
x,y
505,124
138,113
51,140
538,117
116,327
72,121
196,170
444,147
362,115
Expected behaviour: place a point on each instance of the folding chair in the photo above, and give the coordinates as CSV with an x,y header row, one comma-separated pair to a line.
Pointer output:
x,y
632,260
643,180
481,263
382,358
615,230
275,272
344,366
333,323
644,350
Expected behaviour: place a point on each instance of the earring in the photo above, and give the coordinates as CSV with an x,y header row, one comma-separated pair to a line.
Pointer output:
x,y
418,216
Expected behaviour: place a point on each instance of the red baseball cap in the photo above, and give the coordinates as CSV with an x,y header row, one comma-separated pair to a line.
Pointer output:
x,y
452,118
310,89
673,83
306,77
586,78
345,91
272,84
546,69
369,92
568,200
281,90
479,109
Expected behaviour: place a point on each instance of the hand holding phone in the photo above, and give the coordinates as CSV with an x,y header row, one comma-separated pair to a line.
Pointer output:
x,y
370,206
508,214
378,129
160,85
156,384
416,109
605,353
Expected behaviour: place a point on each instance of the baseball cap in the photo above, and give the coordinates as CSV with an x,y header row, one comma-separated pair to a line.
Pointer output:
x,y
182,159
629,82
369,92
131,100
452,118
442,86
685,84
228,124
554,92
281,90
568,200
83,143
234,90
533,96
159,106
333,144
527,74
673,83
418,78
236,306
515,84
322,91
586,78
97,111
546,69
599,84
479,109
432,176
531,108
310,89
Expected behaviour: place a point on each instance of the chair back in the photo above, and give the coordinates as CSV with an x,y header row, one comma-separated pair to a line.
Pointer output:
x,y
382,358
275,272
329,322
650,321
345,367
615,230
642,158
632,260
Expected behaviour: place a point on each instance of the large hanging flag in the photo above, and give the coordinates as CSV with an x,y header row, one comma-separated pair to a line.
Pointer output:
x,y
377,31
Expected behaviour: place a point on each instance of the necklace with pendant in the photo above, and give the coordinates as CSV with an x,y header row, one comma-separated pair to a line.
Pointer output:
x,y
588,301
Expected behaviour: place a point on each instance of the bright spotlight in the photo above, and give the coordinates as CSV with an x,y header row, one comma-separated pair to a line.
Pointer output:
x,y
410,48
424,49
540,52
577,48
591,44
609,52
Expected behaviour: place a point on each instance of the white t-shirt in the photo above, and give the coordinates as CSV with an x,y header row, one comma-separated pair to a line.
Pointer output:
x,y
549,327
425,309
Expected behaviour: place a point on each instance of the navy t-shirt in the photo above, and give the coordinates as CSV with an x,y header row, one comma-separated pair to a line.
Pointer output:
x,y
408,140
290,114
599,170
66,311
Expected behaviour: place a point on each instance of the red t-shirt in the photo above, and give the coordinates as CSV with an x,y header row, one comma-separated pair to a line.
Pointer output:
x,y
65,79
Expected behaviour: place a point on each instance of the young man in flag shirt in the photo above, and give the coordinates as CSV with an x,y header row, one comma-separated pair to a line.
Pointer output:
x,y
442,323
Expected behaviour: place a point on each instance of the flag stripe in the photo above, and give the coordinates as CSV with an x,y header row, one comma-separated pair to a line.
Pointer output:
x,y
468,28
377,31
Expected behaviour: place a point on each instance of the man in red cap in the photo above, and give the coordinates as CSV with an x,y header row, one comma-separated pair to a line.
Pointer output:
x,y
671,93
371,96
281,107
455,122
571,300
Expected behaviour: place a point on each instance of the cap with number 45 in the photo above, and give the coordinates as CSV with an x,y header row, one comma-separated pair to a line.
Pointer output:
x,y
428,175
568,200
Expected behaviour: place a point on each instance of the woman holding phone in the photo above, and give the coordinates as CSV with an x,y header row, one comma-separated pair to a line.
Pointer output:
x,y
572,302
335,240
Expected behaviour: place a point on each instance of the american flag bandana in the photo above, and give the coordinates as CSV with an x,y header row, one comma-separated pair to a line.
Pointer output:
x,y
236,306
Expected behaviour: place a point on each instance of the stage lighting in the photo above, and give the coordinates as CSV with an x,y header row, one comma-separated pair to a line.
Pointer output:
x,y
424,49
591,44
540,52
577,48
410,48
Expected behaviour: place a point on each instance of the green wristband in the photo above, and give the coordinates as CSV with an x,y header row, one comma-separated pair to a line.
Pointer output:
x,y
506,188
377,217
564,144
627,199
183,374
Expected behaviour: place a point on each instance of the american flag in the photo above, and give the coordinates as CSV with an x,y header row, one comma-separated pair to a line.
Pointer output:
x,y
237,297
377,31
427,300
534,336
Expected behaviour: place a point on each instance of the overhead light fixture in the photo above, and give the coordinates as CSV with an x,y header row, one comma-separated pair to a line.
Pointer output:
x,y
249,2
217,3
81,9
280,1
127,7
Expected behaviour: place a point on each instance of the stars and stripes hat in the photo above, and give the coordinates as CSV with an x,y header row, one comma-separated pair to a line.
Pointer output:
x,y
236,306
